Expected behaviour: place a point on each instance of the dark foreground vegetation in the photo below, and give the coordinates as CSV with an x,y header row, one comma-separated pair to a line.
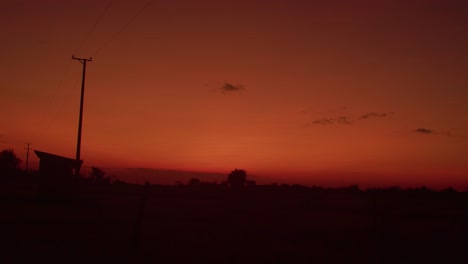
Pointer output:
x,y
98,219
201,222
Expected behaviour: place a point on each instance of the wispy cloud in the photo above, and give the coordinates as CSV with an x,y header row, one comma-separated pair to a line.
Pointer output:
x,y
323,121
424,131
231,88
374,114
342,120
346,120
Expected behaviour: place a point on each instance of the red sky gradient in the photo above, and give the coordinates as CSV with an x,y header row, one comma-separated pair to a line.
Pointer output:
x,y
326,92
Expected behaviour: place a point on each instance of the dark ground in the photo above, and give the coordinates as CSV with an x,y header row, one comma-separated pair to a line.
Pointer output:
x,y
212,223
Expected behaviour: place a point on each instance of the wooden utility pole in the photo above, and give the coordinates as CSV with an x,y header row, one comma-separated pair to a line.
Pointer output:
x,y
80,121
27,154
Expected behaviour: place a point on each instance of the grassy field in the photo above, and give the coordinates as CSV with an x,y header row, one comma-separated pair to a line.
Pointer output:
x,y
262,224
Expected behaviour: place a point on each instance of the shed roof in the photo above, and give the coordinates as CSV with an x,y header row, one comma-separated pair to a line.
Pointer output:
x,y
50,156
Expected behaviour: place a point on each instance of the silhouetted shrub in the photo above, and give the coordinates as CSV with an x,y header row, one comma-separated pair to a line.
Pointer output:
x,y
98,176
120,182
194,182
237,178
9,163
449,190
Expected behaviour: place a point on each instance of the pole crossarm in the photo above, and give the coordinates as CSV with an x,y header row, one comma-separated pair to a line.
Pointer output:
x,y
82,60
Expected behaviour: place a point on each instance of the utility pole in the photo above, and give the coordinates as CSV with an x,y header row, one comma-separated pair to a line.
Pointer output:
x,y
27,154
80,120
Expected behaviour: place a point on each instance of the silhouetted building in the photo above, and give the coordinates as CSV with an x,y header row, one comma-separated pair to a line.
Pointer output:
x,y
57,172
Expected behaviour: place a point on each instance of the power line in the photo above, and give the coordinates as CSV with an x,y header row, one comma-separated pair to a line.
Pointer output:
x,y
122,29
92,29
66,68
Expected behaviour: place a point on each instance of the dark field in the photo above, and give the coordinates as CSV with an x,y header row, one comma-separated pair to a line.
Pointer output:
x,y
212,223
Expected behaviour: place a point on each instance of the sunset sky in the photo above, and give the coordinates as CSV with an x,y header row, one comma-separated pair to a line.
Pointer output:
x,y
325,92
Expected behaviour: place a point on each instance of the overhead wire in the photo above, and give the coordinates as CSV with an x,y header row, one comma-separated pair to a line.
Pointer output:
x,y
92,28
121,29
83,42
66,69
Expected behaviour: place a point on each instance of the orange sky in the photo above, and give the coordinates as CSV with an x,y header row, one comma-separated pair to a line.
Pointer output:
x,y
372,92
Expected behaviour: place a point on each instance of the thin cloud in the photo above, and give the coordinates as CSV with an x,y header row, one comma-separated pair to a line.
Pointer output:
x,y
230,88
424,131
343,120
374,114
323,121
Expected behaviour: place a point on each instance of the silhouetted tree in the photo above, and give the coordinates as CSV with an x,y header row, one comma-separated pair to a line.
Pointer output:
x,y
9,163
119,182
237,178
194,182
449,190
98,176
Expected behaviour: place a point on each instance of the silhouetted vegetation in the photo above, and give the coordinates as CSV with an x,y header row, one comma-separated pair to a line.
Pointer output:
x,y
237,179
98,176
194,182
9,163
114,221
